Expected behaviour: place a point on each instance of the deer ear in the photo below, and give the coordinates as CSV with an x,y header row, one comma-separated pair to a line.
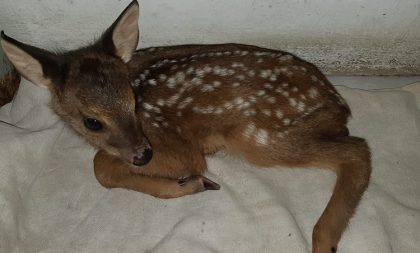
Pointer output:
x,y
33,63
122,37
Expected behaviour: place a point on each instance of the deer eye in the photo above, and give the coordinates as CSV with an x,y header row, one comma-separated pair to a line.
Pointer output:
x,y
92,124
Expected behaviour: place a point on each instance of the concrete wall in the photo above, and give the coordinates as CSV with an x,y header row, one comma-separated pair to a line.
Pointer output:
x,y
340,36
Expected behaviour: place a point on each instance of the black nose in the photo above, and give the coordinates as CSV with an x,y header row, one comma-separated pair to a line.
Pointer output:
x,y
144,158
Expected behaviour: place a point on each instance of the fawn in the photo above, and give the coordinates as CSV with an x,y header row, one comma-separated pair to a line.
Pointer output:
x,y
155,113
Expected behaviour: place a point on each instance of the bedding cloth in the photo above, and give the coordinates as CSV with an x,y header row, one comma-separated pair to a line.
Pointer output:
x,y
51,202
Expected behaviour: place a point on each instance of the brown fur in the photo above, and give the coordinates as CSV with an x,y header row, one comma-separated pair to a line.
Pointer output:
x,y
8,86
184,102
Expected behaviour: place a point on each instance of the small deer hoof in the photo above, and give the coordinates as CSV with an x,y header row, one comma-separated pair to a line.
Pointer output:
x,y
206,183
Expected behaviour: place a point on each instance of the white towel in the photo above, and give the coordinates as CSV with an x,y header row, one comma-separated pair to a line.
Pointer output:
x,y
50,200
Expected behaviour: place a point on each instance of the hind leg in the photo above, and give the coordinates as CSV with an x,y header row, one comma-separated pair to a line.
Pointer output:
x,y
348,156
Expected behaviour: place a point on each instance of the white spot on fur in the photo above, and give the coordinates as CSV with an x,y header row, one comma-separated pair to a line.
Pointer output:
x,y
228,105
207,88
271,100
156,109
185,102
301,106
295,89
155,124
163,77
160,102
292,102
261,137
196,81
266,112
245,104
152,82
280,135
249,130
252,99
268,86
237,65
207,110
200,72
250,112
207,69
279,114
240,77
236,84
216,83
265,73
273,78
190,70
179,76
171,83
238,101
313,92
172,100
261,93
136,82
285,57
159,118
217,70
147,106
251,73
286,122
261,53
146,114
218,110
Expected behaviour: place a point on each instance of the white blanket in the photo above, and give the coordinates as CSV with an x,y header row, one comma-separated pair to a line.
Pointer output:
x,y
50,200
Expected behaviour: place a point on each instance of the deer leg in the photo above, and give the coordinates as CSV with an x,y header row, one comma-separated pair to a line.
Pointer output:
x,y
111,172
349,157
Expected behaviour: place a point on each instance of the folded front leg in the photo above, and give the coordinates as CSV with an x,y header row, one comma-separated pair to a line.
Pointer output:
x,y
111,172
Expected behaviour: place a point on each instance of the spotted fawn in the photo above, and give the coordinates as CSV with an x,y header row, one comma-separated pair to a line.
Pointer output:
x,y
155,113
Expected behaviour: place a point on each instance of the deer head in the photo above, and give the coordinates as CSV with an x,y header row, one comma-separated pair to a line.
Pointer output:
x,y
91,87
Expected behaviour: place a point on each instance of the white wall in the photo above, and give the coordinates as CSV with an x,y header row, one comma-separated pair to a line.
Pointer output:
x,y
341,36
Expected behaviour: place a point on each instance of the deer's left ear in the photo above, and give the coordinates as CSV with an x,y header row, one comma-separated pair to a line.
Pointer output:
x,y
122,37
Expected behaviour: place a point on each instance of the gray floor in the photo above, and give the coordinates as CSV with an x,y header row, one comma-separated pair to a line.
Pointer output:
x,y
373,82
